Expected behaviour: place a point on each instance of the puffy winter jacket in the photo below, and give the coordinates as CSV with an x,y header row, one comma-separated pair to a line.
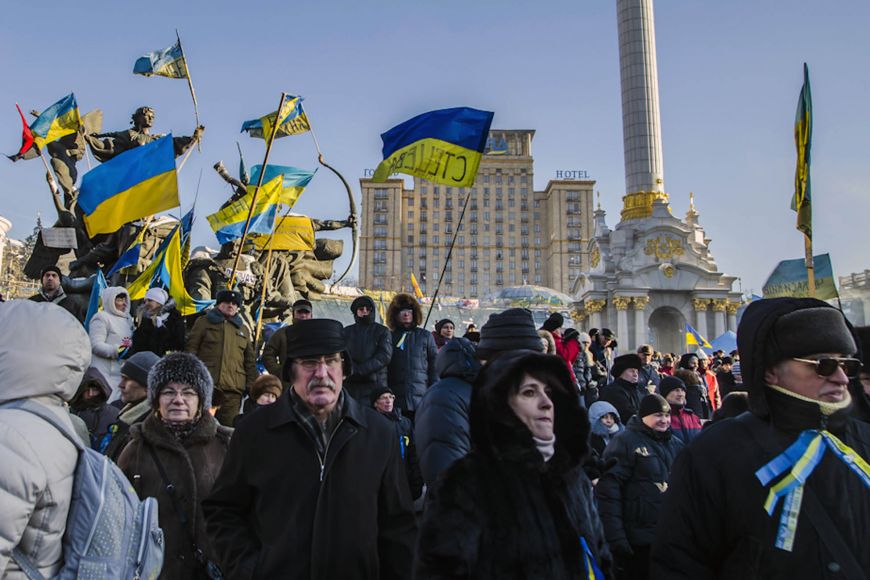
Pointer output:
x,y
37,461
412,367
107,329
630,493
371,349
442,428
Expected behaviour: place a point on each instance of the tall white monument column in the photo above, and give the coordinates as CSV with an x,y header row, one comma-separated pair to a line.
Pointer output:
x,y
732,315
719,306
641,122
700,305
594,308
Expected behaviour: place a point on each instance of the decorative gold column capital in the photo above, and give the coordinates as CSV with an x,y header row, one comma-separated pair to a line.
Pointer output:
x,y
578,315
720,304
732,308
593,306
641,302
638,205
700,304
621,302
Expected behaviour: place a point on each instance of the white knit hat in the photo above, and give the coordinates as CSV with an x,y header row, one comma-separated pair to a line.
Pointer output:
x,y
157,295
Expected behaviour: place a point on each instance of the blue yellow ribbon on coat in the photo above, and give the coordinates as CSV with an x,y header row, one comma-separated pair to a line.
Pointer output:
x,y
797,462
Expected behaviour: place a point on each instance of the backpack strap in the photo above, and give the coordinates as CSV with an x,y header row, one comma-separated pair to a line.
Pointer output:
x,y
42,412
26,564
828,532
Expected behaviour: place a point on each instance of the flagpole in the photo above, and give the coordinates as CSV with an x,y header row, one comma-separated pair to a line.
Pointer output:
x,y
311,130
267,277
447,259
52,184
190,86
257,190
808,260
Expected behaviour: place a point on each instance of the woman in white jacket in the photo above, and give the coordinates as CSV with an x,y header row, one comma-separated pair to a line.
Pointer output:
x,y
111,330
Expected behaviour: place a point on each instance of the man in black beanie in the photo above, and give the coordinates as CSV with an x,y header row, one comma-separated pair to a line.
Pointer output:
x,y
512,329
730,510
51,290
624,392
314,488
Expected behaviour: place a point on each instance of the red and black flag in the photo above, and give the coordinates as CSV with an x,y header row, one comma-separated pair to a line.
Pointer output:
x,y
28,150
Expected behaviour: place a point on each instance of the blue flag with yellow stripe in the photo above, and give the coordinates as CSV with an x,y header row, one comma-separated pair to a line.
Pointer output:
x,y
135,184
60,119
168,62
228,224
694,338
292,120
442,146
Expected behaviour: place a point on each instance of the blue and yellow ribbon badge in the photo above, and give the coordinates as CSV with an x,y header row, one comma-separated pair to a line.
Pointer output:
x,y
590,566
401,344
799,460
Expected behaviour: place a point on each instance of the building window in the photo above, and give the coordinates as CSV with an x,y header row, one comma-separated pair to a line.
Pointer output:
x,y
380,232
410,214
410,202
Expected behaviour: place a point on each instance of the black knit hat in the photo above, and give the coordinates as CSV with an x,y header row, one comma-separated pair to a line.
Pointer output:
x,y
183,368
624,362
315,337
513,329
440,324
668,384
137,366
362,301
555,321
302,304
229,296
378,391
863,333
652,404
51,268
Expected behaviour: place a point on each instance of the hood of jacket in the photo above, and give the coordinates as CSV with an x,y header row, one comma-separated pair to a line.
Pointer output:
x,y
50,358
215,316
457,359
108,297
599,409
363,301
401,302
496,430
756,338
92,376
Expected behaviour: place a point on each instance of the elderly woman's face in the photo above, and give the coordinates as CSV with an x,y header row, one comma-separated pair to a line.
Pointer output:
x,y
531,403
178,403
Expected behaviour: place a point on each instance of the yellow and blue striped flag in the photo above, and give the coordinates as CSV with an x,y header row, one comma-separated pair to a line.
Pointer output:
x,y
694,338
59,120
168,62
292,233
135,184
440,146
228,224
295,180
801,202
417,292
291,121
130,257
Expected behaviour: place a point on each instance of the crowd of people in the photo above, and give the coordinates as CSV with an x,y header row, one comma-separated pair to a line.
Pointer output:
x,y
391,451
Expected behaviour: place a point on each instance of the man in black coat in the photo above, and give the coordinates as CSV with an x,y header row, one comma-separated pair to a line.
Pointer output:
x,y
412,368
52,291
630,493
314,488
624,392
370,350
796,355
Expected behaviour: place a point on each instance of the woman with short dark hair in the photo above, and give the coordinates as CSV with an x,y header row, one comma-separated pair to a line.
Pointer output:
x,y
519,504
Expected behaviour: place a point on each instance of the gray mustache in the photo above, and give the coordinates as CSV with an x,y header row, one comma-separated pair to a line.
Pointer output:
x,y
314,383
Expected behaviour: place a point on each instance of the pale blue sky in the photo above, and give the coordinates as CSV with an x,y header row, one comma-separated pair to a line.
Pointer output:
x,y
729,72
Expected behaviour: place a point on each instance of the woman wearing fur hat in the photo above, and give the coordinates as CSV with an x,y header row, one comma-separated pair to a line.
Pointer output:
x,y
159,327
110,331
518,505
175,456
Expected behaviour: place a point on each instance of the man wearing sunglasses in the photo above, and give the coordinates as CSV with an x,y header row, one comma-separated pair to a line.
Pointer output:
x,y
313,485
733,508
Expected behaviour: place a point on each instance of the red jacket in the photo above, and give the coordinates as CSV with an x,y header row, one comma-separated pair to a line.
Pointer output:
x,y
685,424
568,351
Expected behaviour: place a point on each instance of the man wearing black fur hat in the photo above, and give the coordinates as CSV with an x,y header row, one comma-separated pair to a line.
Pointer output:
x,y
733,508
370,349
624,392
314,488
412,367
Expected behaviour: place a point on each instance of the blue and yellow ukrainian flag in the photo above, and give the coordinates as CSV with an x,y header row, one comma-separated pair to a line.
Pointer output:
x,y
166,271
293,233
130,257
228,224
803,136
295,180
417,292
291,121
135,184
694,338
59,120
440,146
168,62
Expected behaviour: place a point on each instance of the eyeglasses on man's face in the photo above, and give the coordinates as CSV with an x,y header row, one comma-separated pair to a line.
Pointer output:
x,y
312,364
828,365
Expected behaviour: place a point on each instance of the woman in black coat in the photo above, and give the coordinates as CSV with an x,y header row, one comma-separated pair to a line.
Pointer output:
x,y
159,326
518,506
